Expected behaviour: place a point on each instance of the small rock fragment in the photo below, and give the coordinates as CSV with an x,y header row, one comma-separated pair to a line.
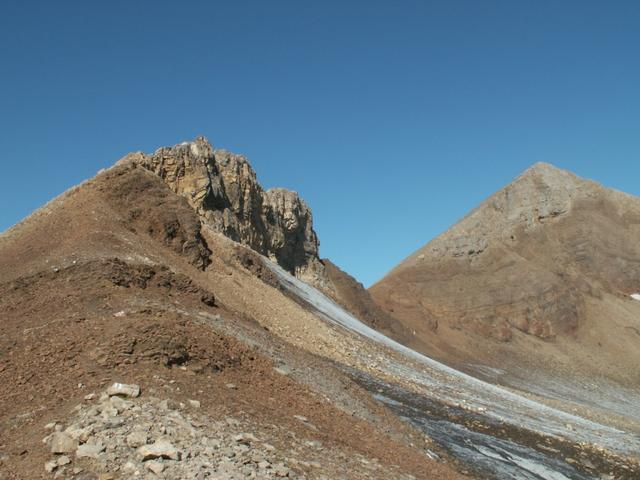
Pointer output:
x,y
119,404
90,450
160,449
155,466
124,390
281,471
63,460
80,434
108,411
169,405
208,299
194,403
62,443
245,438
137,439
50,466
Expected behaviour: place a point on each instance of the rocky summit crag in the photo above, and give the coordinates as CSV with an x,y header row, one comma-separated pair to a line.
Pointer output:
x,y
223,189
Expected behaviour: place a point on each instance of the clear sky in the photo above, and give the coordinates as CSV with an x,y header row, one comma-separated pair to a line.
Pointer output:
x,y
391,118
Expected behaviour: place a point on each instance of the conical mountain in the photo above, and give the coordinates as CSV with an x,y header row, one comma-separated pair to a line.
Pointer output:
x,y
540,274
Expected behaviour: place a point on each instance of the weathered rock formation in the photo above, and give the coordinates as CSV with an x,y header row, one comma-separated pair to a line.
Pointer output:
x,y
223,189
526,259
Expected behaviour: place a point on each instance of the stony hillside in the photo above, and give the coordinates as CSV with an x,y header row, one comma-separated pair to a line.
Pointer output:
x,y
122,280
151,329
550,257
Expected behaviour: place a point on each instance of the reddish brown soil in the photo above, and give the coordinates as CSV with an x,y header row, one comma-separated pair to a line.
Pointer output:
x,y
99,286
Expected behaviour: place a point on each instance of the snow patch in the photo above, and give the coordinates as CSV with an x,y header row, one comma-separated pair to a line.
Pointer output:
x,y
536,469
456,387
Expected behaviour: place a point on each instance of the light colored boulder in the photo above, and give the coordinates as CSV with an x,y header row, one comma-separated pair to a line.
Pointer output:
x,y
137,438
90,450
159,449
124,390
62,443
155,466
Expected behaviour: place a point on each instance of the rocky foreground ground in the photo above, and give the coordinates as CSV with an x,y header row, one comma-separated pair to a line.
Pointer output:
x,y
125,434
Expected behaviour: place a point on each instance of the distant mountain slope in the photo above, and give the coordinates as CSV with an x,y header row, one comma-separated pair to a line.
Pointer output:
x,y
551,256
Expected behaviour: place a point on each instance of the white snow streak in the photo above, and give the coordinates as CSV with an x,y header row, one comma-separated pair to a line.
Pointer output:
x,y
453,386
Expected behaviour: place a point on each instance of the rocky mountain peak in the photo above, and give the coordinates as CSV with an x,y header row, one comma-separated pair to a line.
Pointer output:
x,y
558,238
546,179
541,194
200,148
224,190
544,168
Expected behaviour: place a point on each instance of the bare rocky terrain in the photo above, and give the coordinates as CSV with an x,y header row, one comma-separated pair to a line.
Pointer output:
x,y
171,319
534,289
224,190
121,279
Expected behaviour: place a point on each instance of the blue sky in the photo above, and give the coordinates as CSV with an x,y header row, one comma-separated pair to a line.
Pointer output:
x,y
392,119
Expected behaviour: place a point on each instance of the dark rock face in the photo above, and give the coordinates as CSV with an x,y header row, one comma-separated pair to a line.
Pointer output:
x,y
527,259
224,191
148,206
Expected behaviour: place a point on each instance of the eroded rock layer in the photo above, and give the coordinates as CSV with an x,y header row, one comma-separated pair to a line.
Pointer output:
x,y
223,189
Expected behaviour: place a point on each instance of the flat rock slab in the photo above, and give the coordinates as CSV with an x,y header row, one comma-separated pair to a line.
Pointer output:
x,y
155,466
62,443
89,450
124,390
160,449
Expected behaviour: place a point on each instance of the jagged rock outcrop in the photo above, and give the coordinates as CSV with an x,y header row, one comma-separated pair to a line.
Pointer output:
x,y
224,190
527,259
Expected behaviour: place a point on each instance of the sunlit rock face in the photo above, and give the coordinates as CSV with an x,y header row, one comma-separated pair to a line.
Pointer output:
x,y
223,189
